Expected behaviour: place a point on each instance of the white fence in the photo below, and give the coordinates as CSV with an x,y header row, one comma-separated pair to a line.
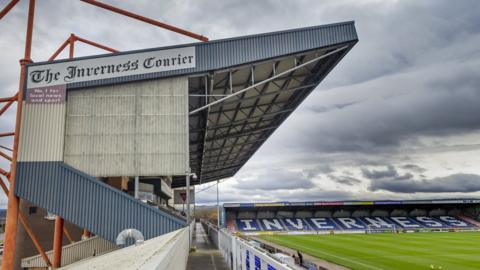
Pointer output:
x,y
74,252
242,255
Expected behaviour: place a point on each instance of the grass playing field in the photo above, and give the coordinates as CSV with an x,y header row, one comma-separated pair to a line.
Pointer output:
x,y
422,251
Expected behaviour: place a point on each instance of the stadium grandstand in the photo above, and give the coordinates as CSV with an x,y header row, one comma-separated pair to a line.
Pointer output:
x,y
351,216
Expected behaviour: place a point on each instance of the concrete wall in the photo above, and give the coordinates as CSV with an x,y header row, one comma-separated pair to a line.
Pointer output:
x,y
166,252
129,129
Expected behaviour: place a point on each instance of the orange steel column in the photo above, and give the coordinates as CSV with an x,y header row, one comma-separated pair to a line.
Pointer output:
x,y
58,234
72,45
57,243
13,201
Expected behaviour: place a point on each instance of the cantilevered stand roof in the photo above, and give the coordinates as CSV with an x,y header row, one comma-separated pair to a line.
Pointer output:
x,y
258,82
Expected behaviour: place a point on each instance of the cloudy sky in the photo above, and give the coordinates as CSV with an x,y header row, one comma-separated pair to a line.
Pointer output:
x,y
398,118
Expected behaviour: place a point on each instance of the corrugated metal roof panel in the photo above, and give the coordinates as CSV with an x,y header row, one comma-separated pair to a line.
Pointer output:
x,y
89,203
225,53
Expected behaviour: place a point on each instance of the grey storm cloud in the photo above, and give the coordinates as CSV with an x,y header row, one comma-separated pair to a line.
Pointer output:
x,y
414,168
389,173
413,74
452,183
345,180
380,123
276,179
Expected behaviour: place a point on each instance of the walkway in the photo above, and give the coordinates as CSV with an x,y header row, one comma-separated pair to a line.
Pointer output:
x,y
206,255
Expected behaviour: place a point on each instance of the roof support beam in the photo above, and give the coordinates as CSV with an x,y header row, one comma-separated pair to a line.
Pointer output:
x,y
252,110
243,121
146,20
208,90
8,8
267,80
284,86
249,107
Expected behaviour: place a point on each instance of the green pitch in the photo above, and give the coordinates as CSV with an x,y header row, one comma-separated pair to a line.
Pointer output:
x,y
422,251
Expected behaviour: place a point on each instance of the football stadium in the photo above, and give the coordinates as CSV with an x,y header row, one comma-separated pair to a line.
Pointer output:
x,y
107,159
414,234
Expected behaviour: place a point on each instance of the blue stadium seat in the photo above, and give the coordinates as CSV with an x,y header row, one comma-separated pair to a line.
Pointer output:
x,y
454,222
322,224
406,222
296,224
248,225
271,224
378,222
430,222
350,223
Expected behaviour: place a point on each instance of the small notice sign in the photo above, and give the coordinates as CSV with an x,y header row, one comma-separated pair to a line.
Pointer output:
x,y
47,95
183,195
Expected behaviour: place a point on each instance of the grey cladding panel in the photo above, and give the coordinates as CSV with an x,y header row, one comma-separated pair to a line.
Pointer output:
x,y
129,129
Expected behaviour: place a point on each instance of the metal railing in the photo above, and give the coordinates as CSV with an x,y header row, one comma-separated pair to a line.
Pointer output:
x,y
240,254
74,252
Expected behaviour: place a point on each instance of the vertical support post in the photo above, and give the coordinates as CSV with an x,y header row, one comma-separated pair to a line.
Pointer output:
x,y
188,210
71,40
188,171
8,261
188,198
230,81
57,243
218,208
137,184
194,202
59,222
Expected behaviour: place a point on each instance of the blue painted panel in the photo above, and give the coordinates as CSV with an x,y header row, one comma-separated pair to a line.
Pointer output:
x,y
87,202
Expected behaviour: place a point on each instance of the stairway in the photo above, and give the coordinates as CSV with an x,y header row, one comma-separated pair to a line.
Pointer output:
x,y
89,203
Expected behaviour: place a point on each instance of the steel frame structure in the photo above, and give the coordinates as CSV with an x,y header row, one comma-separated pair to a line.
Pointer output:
x,y
13,213
234,111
